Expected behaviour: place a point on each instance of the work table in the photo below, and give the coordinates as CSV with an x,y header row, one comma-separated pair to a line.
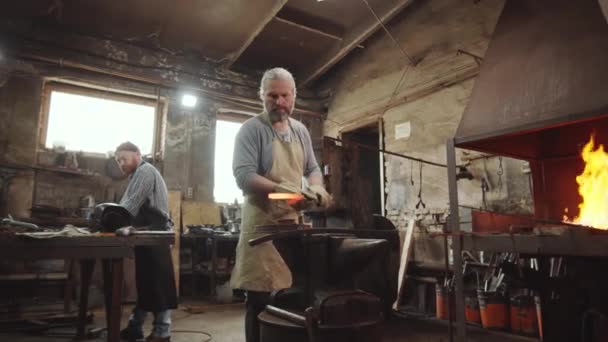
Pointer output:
x,y
110,249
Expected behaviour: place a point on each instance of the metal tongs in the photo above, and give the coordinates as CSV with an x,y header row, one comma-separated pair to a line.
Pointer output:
x,y
12,222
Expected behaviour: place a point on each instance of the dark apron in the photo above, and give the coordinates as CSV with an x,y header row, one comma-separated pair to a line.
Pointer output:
x,y
154,277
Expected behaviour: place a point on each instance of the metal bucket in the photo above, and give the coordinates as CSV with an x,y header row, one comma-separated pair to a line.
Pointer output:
x,y
494,310
523,315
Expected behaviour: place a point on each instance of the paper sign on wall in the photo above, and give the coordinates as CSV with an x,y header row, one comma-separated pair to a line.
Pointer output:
x,y
403,130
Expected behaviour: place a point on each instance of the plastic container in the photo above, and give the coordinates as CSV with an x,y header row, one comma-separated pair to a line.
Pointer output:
x,y
523,315
494,310
442,309
471,308
539,316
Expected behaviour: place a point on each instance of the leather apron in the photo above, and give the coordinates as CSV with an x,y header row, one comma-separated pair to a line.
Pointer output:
x,y
261,268
154,277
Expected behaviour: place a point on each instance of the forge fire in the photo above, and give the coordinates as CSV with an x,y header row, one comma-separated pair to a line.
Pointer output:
x,y
593,188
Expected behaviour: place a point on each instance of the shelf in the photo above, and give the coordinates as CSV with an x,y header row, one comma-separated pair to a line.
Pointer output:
x,y
573,242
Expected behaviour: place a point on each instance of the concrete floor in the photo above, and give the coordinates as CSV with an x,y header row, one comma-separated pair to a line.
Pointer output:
x,y
225,324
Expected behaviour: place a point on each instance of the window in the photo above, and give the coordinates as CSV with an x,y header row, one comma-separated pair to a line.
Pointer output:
x,y
88,120
225,189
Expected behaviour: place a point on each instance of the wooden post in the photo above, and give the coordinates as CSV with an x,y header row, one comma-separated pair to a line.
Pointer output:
x,y
175,211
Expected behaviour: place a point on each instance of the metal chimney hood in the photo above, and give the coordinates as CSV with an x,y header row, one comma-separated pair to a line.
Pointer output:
x,y
544,77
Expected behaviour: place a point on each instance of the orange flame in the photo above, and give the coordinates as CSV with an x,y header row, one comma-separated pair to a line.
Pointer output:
x,y
593,187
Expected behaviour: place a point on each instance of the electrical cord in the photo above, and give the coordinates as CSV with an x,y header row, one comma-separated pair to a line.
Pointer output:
x,y
395,41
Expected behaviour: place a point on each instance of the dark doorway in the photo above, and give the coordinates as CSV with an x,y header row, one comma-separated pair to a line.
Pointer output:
x,y
363,174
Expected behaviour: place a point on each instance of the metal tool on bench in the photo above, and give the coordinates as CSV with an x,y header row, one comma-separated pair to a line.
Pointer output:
x,y
130,230
12,222
323,303
107,217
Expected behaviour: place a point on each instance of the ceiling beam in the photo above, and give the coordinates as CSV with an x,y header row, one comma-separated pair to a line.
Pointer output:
x,y
278,4
125,61
363,30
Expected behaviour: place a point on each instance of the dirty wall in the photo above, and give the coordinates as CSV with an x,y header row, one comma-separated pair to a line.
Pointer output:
x,y
447,39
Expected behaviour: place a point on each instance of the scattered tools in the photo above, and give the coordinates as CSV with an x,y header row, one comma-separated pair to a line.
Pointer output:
x,y
412,172
556,269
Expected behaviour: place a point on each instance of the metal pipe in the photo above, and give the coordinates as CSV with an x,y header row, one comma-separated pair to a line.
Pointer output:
x,y
446,275
10,222
373,148
456,240
290,316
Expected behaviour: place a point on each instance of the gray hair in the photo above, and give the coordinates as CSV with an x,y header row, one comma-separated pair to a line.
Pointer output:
x,y
276,74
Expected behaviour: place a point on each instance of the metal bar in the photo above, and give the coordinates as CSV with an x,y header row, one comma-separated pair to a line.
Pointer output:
x,y
381,157
373,148
447,272
290,316
389,235
456,240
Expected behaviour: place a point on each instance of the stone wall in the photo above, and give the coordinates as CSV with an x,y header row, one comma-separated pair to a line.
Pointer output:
x,y
443,36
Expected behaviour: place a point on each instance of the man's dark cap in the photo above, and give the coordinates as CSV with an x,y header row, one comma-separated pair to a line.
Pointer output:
x,y
128,146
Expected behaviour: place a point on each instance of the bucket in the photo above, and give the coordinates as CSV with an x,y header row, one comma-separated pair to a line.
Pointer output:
x,y
494,310
523,315
471,308
442,309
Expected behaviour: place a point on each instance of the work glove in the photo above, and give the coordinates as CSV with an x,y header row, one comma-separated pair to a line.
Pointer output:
x,y
319,195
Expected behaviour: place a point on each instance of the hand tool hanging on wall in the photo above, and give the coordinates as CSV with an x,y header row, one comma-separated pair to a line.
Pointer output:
x,y
412,172
486,175
486,186
420,202
499,173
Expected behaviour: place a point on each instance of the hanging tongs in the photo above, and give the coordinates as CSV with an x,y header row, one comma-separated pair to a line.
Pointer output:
x,y
420,201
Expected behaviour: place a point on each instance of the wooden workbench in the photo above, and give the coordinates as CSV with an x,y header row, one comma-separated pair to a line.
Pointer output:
x,y
110,249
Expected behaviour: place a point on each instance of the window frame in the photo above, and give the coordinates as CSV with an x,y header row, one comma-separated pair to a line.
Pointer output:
x,y
159,103
229,115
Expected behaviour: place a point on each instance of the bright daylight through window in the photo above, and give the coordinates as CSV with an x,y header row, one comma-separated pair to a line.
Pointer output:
x,y
93,124
225,189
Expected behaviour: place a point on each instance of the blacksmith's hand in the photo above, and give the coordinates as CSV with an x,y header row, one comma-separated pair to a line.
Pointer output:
x,y
318,194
